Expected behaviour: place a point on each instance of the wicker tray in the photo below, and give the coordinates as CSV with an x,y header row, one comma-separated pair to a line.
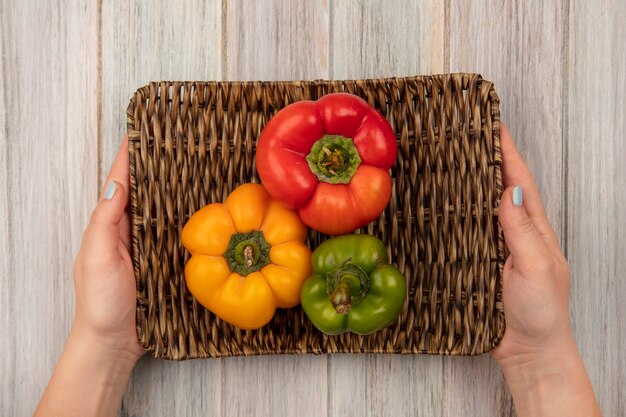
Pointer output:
x,y
191,143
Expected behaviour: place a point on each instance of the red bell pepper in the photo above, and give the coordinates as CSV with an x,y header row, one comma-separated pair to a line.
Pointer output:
x,y
330,160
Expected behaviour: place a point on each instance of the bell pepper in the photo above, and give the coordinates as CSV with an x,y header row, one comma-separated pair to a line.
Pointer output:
x,y
353,287
330,160
248,257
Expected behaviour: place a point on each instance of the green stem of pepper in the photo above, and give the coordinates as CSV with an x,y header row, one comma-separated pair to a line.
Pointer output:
x,y
347,286
334,159
247,252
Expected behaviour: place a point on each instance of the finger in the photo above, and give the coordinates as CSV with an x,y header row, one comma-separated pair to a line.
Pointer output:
x,y
103,230
525,244
120,170
515,172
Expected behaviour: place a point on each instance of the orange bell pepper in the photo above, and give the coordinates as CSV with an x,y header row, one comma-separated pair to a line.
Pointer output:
x,y
248,257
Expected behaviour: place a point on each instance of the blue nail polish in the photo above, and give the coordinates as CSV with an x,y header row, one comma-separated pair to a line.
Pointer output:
x,y
110,192
517,196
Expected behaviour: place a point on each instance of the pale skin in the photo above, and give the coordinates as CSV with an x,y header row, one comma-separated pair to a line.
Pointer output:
x,y
537,354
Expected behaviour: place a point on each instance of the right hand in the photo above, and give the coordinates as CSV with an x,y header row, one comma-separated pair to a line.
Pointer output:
x,y
537,354
536,278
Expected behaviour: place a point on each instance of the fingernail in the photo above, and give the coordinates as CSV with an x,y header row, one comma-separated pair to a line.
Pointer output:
x,y
517,196
110,192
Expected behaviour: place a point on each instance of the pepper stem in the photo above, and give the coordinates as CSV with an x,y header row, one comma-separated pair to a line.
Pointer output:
x,y
346,286
247,252
334,159
341,299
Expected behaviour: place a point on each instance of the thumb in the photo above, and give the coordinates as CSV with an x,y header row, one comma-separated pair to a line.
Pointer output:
x,y
526,245
106,217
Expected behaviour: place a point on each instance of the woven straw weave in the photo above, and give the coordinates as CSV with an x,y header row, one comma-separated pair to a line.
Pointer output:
x,y
191,143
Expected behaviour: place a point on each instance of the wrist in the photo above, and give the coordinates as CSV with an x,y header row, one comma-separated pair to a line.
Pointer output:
x,y
526,365
110,355
89,379
549,381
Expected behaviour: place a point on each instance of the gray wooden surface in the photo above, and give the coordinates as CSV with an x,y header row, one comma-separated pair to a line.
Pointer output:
x,y
68,69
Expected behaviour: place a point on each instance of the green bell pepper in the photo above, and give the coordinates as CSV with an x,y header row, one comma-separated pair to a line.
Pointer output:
x,y
353,288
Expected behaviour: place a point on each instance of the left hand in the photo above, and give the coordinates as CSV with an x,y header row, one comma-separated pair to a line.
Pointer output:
x,y
103,272
102,349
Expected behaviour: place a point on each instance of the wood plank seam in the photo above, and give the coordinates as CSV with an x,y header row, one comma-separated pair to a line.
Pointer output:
x,y
446,35
224,40
100,127
565,128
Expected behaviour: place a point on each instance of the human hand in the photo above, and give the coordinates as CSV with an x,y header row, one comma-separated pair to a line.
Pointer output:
x,y
536,274
102,349
103,272
537,354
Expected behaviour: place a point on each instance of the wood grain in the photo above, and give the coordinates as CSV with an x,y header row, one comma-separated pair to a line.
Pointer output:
x,y
372,40
7,344
141,42
474,386
283,385
518,45
166,388
385,385
275,40
49,114
596,166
